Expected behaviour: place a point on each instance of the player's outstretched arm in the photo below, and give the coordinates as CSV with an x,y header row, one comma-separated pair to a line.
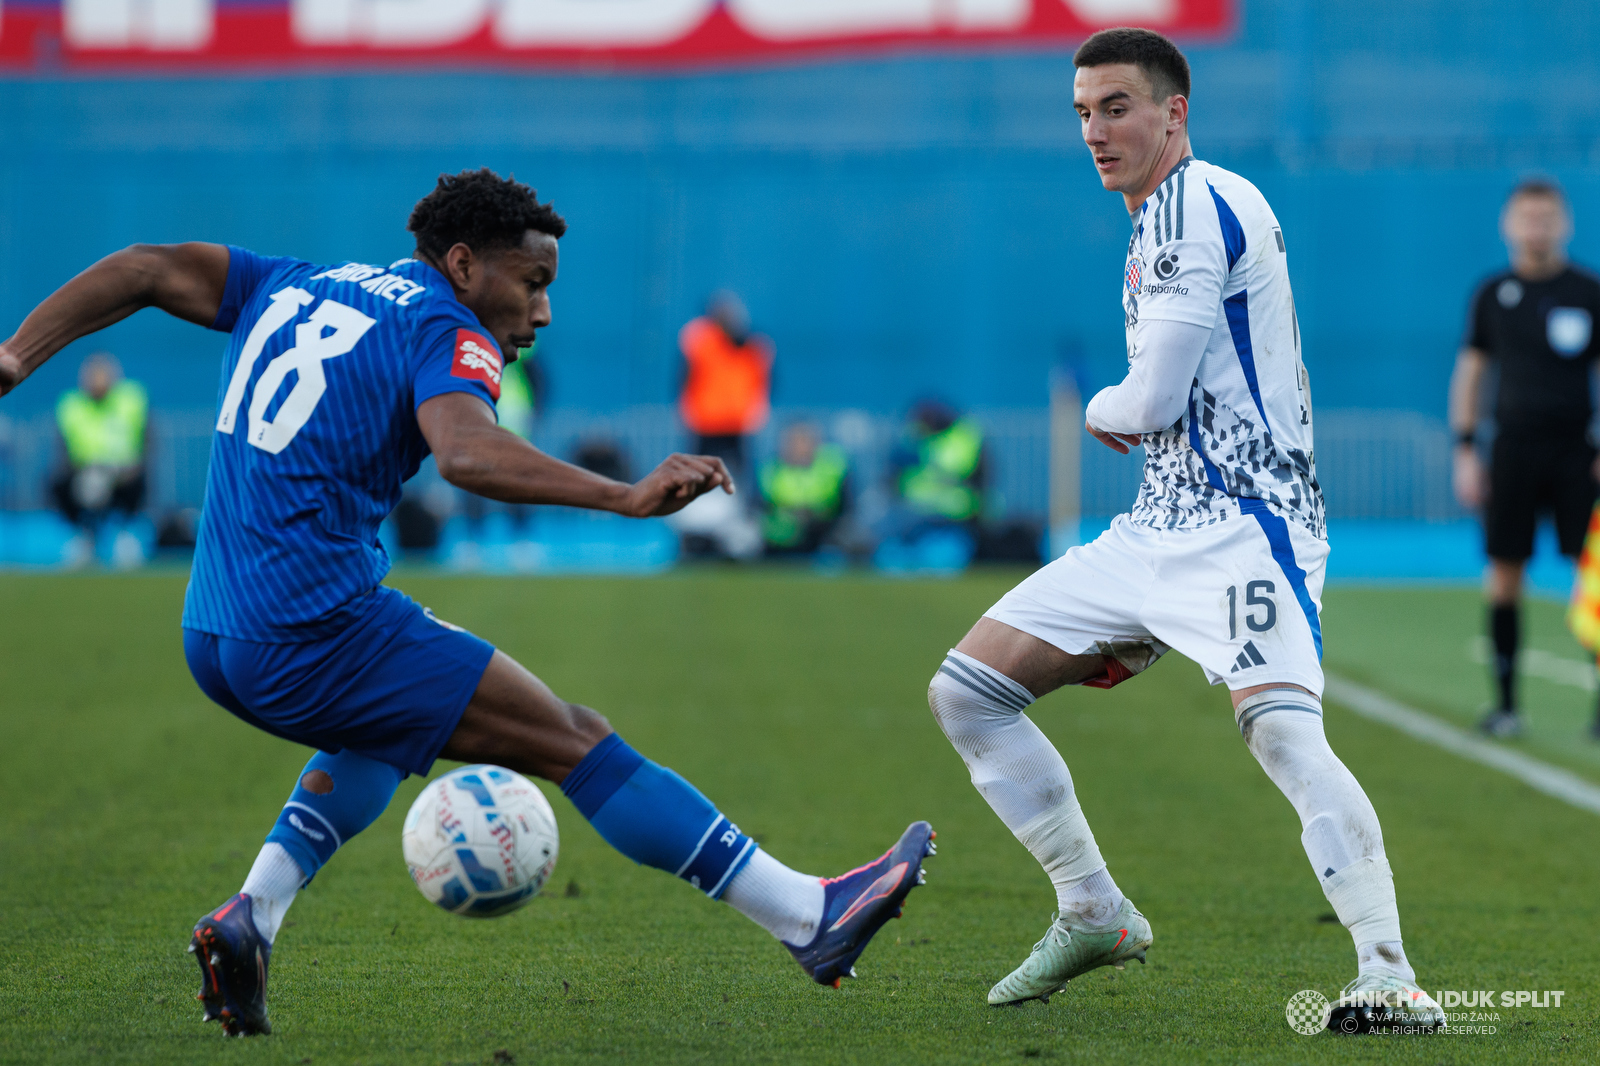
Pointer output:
x,y
476,454
186,280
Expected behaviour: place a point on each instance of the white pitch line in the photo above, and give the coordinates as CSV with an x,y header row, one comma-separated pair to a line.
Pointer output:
x,y
1551,780
1579,674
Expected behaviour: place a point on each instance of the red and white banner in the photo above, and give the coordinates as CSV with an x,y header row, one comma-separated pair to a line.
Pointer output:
x,y
47,35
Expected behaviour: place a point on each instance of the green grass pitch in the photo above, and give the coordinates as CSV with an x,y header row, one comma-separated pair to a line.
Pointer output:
x,y
797,704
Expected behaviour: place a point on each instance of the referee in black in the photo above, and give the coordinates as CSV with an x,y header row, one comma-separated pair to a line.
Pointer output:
x,y
1535,324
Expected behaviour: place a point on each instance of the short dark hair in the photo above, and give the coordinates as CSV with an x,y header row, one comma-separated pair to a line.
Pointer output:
x,y
1538,187
1152,53
482,210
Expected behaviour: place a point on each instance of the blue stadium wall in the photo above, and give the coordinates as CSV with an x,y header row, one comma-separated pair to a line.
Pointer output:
x,y
900,225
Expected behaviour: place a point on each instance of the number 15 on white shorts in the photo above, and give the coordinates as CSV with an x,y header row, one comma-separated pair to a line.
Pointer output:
x,y
1241,597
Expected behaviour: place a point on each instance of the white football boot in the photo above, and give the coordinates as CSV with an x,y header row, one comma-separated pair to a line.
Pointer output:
x,y
1379,1000
1071,948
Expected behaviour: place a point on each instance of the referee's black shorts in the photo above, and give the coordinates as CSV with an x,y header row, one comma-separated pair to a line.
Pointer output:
x,y
1530,474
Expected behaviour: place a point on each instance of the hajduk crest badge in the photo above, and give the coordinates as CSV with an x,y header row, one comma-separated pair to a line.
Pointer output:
x,y
1134,275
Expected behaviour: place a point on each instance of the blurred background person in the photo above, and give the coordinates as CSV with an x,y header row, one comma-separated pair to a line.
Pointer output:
x,y
939,464
523,394
805,491
1534,324
726,397
938,474
104,443
727,383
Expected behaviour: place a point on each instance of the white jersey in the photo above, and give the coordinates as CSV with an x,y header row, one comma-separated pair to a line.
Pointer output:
x,y
1208,251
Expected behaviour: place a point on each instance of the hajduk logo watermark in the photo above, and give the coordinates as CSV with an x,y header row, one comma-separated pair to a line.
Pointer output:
x,y
1308,1011
1468,1013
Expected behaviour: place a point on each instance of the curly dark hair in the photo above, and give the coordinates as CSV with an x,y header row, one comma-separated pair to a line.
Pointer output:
x,y
1152,53
482,210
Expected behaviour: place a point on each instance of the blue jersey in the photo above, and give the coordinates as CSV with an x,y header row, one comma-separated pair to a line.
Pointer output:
x,y
316,431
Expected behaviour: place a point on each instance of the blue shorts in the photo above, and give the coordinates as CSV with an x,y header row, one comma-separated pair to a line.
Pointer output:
x,y
392,686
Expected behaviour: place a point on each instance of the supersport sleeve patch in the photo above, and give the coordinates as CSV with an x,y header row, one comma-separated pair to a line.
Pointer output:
x,y
477,358
447,354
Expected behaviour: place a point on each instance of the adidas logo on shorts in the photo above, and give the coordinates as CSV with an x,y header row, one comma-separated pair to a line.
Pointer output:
x,y
1251,656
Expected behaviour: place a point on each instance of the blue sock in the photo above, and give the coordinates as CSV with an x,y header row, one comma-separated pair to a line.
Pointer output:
x,y
312,827
656,818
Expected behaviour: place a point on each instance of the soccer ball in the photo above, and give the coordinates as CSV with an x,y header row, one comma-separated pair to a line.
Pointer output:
x,y
480,841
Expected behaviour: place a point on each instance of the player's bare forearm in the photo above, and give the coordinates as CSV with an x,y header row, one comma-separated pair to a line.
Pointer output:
x,y
1467,473
476,454
1465,382
185,280
488,460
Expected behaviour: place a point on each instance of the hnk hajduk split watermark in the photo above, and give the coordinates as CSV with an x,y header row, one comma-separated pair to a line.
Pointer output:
x,y
1474,1012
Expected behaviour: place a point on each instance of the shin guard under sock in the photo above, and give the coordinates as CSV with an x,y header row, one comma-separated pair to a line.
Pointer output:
x,y
336,797
656,818
1018,771
1341,835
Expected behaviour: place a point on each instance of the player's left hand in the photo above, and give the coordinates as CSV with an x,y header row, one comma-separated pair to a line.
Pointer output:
x,y
674,484
1117,442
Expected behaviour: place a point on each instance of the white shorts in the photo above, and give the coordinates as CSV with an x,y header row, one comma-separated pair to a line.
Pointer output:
x,y
1241,598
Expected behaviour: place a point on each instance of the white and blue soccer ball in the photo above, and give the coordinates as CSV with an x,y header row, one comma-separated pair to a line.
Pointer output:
x,y
480,841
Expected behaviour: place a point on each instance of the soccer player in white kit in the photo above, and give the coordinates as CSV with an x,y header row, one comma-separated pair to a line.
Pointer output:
x,y
1221,557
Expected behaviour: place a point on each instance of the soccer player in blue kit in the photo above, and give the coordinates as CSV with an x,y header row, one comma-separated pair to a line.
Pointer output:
x,y
338,381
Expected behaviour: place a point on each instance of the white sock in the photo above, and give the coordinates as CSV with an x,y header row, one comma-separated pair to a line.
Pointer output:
x,y
1341,835
1022,776
1095,899
784,902
271,886
1386,958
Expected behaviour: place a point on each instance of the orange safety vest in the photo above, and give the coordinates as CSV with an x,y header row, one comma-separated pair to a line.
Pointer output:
x,y
729,390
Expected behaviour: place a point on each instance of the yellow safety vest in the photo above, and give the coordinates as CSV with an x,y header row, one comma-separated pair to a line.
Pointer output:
x,y
516,405
795,492
937,484
109,433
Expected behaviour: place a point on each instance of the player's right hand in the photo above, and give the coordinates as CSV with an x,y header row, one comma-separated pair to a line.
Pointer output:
x,y
679,480
1117,442
1468,478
